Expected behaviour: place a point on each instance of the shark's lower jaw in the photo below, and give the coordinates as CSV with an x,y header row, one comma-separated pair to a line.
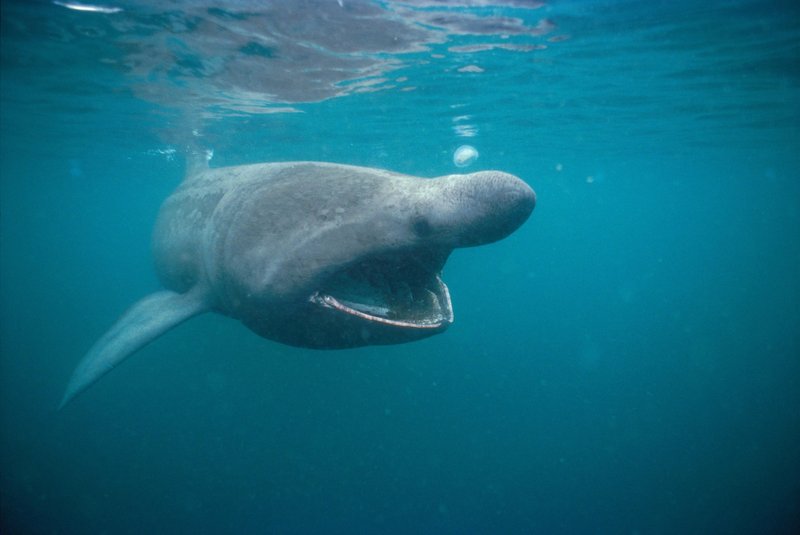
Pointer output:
x,y
438,314
404,292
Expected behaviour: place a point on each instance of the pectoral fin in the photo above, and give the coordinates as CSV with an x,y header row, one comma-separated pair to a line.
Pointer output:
x,y
142,323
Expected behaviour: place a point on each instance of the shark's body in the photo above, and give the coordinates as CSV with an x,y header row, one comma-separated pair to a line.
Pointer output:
x,y
312,254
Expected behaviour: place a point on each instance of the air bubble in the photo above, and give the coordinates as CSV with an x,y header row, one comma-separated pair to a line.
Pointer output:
x,y
465,155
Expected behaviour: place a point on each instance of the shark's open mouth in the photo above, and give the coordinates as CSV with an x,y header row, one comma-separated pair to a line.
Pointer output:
x,y
404,291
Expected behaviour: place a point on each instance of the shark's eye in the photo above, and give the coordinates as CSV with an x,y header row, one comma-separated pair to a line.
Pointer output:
x,y
421,226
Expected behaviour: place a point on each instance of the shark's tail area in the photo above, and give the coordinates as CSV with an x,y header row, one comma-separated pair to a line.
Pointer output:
x,y
142,323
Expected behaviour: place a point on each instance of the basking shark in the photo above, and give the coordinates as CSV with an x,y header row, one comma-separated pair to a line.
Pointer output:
x,y
312,254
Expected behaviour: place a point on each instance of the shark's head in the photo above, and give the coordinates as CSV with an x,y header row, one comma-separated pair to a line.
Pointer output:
x,y
358,257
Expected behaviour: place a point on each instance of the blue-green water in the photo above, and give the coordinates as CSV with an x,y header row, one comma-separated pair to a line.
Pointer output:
x,y
627,362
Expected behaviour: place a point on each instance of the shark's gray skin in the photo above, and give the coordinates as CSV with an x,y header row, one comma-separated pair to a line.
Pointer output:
x,y
312,254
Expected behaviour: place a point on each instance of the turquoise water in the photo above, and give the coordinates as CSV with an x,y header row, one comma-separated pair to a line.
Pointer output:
x,y
627,362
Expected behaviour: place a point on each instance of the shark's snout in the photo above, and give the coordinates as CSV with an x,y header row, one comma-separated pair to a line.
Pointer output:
x,y
512,202
483,207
